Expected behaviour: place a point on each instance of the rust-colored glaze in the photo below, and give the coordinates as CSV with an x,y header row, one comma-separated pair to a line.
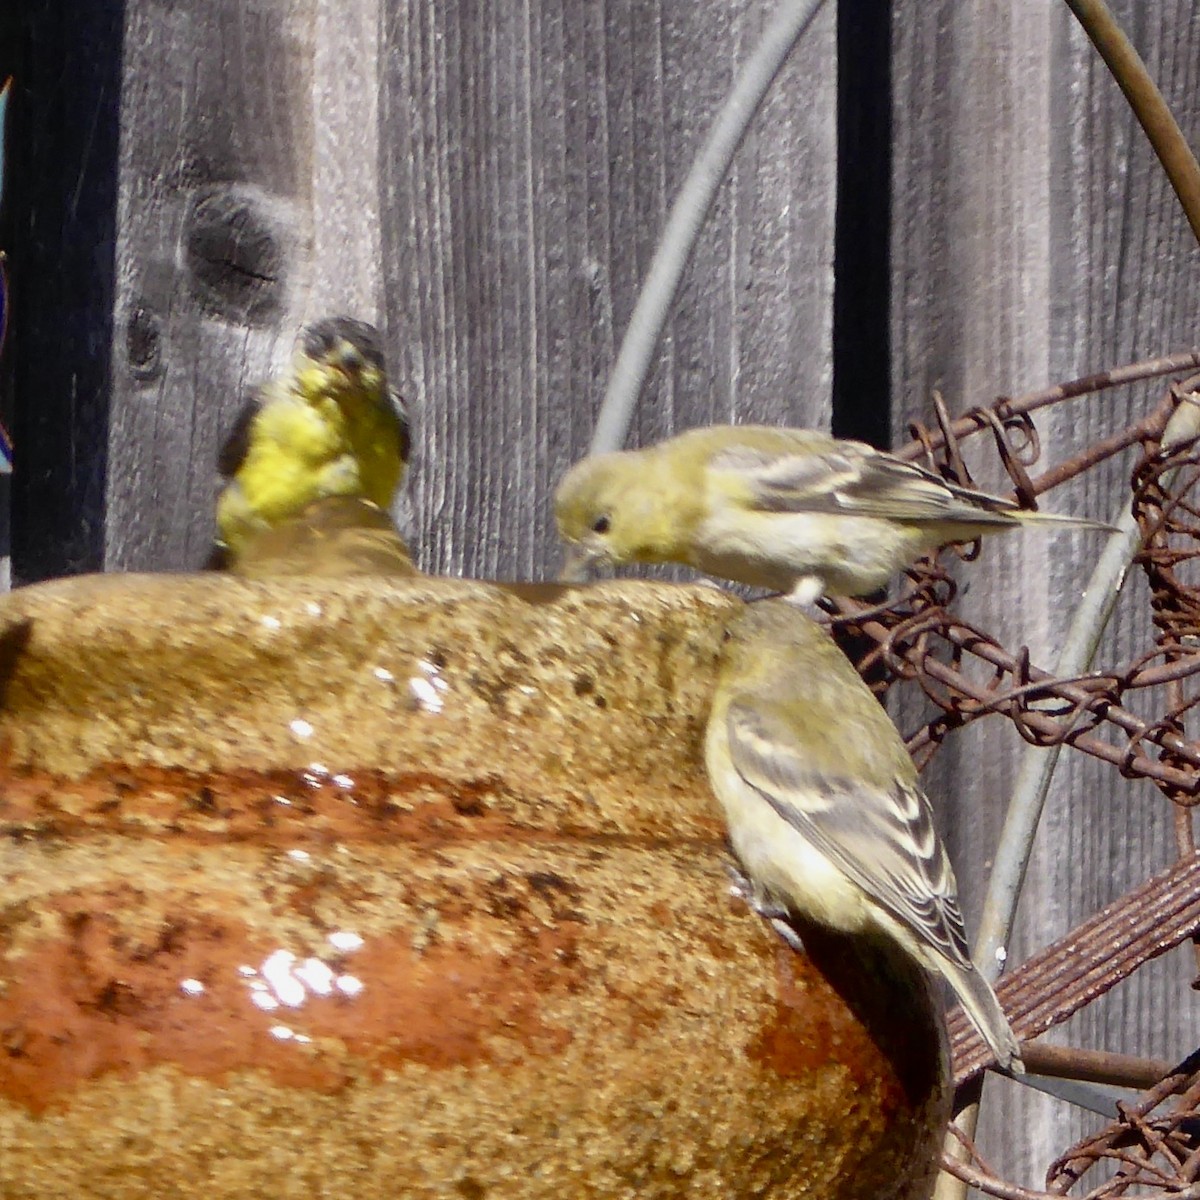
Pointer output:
x,y
410,889
94,999
885,1012
797,1040
282,809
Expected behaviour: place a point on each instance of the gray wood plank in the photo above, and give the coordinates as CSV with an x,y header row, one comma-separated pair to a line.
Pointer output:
x,y
213,251
1034,239
530,154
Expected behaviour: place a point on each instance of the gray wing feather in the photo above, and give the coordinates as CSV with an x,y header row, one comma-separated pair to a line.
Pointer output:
x,y
237,442
856,480
399,412
884,839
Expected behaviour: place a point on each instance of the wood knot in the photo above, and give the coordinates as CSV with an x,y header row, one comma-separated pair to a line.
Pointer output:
x,y
233,248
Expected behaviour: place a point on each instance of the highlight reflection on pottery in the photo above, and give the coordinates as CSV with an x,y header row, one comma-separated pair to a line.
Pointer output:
x,y
409,888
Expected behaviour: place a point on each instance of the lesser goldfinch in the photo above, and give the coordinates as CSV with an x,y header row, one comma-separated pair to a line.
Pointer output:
x,y
331,426
793,510
823,806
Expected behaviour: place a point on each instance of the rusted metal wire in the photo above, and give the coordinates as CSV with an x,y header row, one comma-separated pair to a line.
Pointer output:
x,y
918,638
1093,958
1094,1066
967,674
1005,407
1155,1143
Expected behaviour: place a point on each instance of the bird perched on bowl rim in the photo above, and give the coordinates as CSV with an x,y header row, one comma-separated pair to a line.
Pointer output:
x,y
823,807
329,426
793,510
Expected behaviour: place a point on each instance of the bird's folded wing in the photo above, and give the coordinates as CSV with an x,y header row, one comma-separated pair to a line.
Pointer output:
x,y
399,412
883,839
855,480
236,445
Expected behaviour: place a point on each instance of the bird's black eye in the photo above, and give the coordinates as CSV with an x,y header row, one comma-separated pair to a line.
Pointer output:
x,y
601,524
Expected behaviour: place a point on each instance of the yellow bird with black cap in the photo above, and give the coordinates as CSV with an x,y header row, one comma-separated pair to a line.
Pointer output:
x,y
331,425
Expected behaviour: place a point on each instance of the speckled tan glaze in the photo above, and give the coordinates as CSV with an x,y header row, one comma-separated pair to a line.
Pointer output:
x,y
387,888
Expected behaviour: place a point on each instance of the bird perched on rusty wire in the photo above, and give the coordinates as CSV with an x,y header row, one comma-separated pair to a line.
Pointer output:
x,y
793,510
330,426
823,807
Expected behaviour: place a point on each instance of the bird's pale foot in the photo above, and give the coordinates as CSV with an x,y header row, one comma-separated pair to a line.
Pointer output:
x,y
770,910
787,931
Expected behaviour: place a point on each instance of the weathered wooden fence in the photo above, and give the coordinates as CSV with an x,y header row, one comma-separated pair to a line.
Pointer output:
x,y
193,179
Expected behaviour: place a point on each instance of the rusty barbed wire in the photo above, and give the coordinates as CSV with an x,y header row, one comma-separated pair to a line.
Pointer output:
x,y
1170,520
919,639
966,674
1154,1143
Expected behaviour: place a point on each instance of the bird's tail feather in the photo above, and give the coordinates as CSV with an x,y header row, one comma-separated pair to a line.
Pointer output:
x,y
980,1004
1028,516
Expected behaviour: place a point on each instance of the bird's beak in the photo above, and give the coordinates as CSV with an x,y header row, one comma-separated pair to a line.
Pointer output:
x,y
577,562
349,359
